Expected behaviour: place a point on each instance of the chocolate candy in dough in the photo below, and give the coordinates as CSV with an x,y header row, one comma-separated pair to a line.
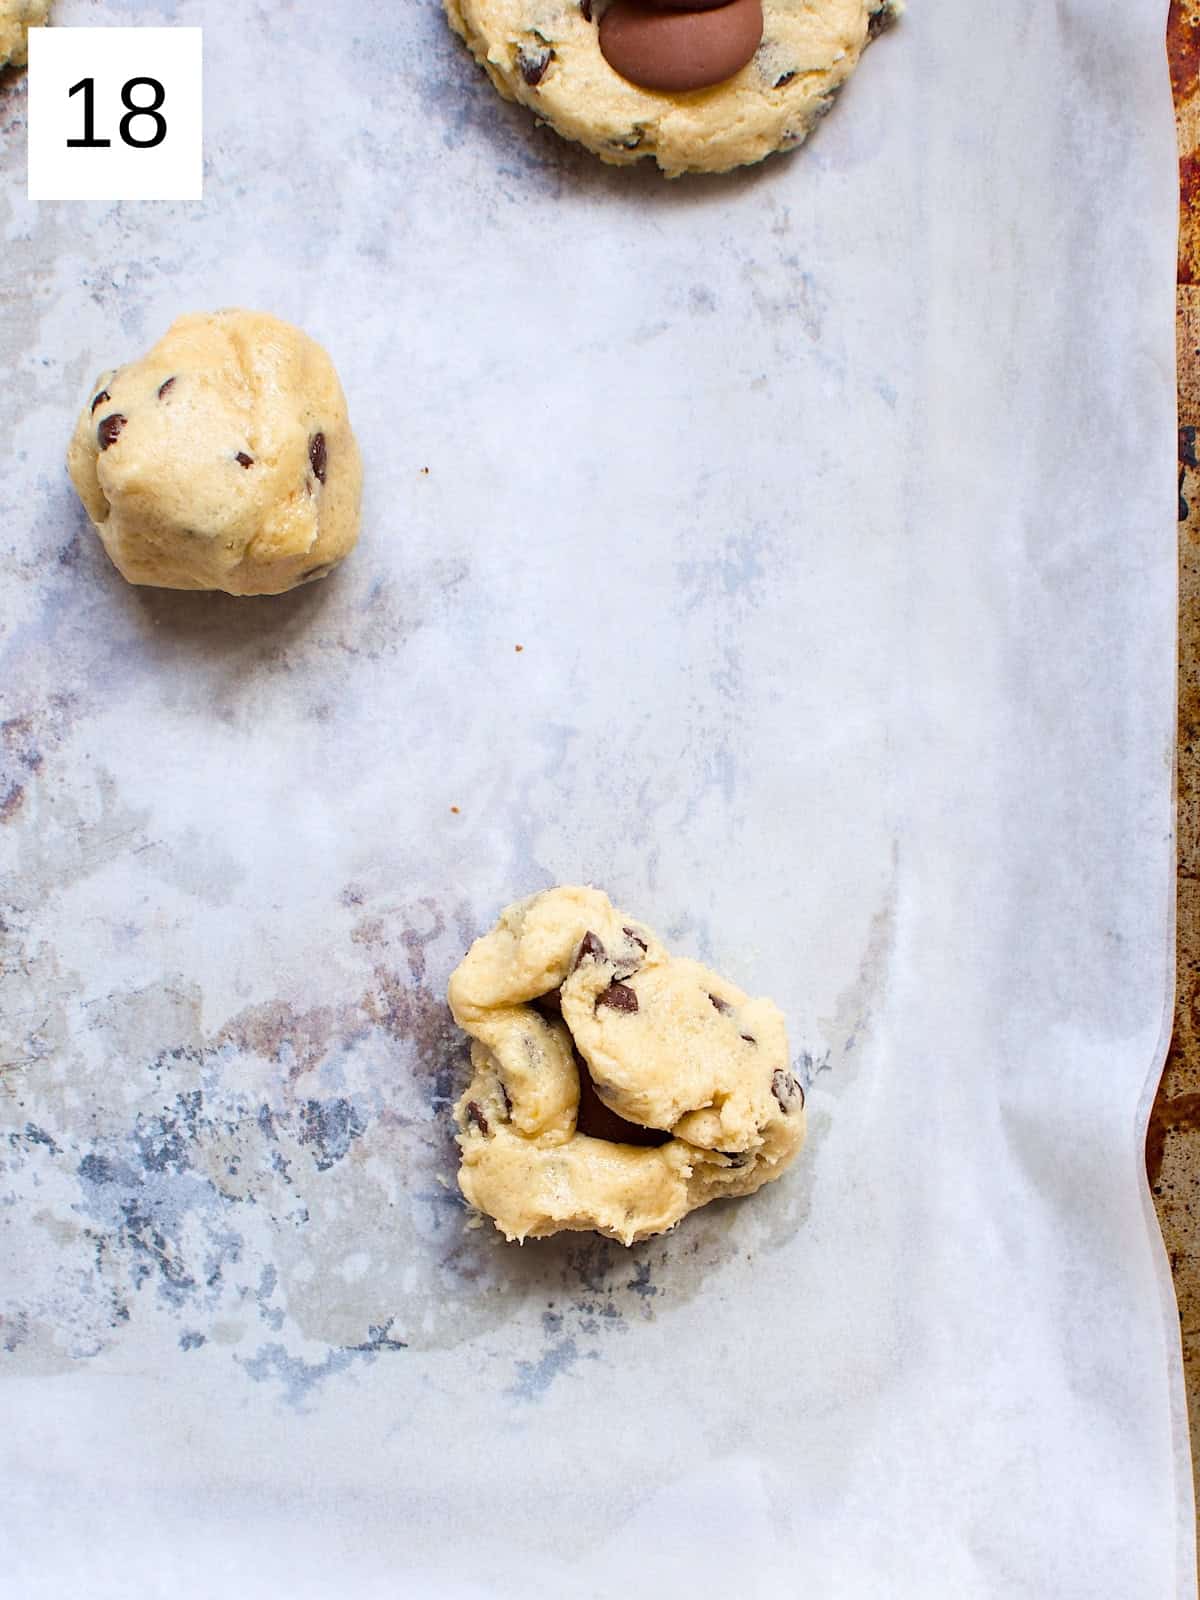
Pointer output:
x,y
546,54
684,5
677,50
613,1087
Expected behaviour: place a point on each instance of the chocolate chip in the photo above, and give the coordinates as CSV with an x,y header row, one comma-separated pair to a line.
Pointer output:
x,y
589,949
100,399
532,65
163,387
619,996
629,934
507,1101
881,20
110,428
475,1115
722,1006
749,1038
317,455
785,1089
243,460
586,7
785,79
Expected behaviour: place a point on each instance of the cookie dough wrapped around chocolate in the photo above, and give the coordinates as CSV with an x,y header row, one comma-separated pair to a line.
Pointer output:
x,y
222,459
699,85
614,1087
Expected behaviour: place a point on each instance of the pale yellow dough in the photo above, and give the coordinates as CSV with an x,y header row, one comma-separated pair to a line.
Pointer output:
x,y
688,1054
809,49
231,463
16,18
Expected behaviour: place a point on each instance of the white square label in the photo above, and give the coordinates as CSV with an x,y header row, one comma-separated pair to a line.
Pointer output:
x,y
115,114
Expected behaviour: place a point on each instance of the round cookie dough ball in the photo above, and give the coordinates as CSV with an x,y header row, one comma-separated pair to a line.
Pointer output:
x,y
547,55
613,1087
223,459
16,19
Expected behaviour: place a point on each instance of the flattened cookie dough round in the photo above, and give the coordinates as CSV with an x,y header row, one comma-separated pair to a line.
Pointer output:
x,y
546,54
223,459
16,19
613,1087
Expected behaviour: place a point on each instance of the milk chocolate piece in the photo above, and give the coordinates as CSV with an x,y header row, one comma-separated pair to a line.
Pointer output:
x,y
599,1122
675,51
684,5
550,1005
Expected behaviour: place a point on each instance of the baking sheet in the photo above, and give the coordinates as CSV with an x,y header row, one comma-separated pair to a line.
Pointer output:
x,y
832,505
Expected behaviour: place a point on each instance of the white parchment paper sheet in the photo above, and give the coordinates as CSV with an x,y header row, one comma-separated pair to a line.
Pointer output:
x,y
833,507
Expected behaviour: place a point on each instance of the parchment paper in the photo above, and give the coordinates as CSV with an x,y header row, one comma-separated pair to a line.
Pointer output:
x,y
833,506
